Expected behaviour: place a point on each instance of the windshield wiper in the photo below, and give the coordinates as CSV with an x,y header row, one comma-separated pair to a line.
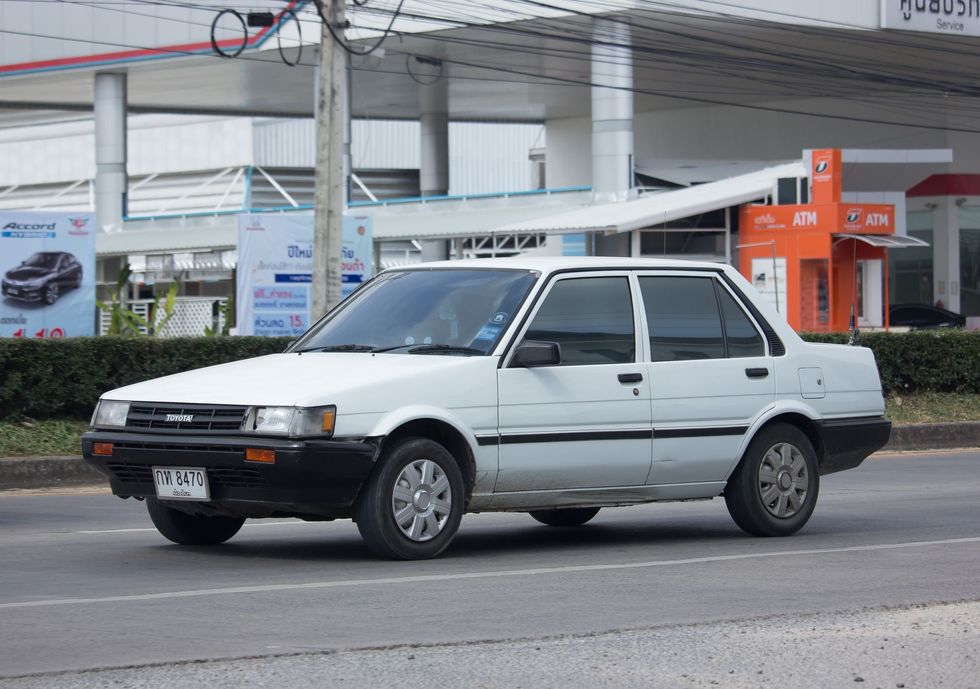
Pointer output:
x,y
449,349
341,348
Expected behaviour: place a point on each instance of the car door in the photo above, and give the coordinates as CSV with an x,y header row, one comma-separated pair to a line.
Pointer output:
x,y
709,371
584,422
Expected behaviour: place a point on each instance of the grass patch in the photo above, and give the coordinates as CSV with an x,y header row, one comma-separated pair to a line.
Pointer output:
x,y
932,407
63,436
49,437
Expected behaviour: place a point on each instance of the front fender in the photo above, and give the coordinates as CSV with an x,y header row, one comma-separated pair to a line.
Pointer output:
x,y
396,418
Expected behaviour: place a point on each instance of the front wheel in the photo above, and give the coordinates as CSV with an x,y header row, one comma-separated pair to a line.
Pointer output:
x,y
51,293
411,507
774,488
575,516
191,529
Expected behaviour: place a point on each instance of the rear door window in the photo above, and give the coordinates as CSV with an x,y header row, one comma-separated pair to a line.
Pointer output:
x,y
683,319
692,317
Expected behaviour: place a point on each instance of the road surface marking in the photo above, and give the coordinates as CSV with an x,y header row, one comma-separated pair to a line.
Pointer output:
x,y
350,583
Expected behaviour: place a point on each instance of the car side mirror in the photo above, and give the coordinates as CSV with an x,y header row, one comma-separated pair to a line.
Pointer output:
x,y
531,354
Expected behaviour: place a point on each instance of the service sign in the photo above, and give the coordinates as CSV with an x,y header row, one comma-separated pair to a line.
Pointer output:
x,y
275,270
955,17
47,267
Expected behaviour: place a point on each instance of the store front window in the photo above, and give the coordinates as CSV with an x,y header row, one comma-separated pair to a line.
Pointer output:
x,y
910,269
703,244
970,261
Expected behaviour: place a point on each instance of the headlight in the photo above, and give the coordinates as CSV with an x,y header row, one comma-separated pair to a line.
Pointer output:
x,y
296,422
110,413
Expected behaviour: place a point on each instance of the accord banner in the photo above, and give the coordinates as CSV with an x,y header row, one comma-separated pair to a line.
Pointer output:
x,y
47,267
275,270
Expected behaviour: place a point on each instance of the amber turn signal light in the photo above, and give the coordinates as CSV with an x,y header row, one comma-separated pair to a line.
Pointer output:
x,y
254,454
103,449
329,416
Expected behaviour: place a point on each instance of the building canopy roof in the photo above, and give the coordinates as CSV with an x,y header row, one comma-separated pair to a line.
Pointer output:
x,y
662,207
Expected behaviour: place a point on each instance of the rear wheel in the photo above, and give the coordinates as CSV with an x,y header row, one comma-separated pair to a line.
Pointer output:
x,y
411,507
191,529
774,488
575,516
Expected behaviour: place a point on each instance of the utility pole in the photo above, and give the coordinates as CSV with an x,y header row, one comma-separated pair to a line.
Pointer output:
x,y
329,182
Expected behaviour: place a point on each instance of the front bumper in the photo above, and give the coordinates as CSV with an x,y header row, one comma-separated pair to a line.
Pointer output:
x,y
22,293
310,478
848,442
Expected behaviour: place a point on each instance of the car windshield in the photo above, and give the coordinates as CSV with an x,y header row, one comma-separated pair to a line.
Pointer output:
x,y
42,260
444,311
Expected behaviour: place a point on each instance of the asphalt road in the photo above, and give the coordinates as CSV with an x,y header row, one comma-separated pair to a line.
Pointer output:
x,y
881,588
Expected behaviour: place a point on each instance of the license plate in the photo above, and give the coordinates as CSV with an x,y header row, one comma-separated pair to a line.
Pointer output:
x,y
181,483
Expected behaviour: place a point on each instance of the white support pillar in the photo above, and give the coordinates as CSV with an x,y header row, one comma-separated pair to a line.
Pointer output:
x,y
612,111
110,151
946,253
434,154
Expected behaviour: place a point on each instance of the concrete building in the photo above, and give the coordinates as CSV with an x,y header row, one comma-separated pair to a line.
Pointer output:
x,y
636,98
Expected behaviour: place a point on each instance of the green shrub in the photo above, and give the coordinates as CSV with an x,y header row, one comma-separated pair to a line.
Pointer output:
x,y
921,360
64,378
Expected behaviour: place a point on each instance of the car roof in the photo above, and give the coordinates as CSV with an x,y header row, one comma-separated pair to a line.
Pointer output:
x,y
552,264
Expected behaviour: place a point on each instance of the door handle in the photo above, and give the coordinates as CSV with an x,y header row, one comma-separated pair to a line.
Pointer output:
x,y
630,377
757,372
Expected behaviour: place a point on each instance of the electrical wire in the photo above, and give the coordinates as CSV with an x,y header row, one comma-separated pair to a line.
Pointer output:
x,y
343,43
423,60
299,28
214,27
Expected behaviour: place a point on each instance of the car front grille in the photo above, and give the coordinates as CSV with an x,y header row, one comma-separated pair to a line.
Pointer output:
x,y
185,417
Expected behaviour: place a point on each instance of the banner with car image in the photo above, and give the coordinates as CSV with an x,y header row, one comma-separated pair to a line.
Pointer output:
x,y
275,269
47,269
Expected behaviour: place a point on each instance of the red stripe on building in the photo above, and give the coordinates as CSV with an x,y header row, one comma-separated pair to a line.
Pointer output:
x,y
174,50
947,185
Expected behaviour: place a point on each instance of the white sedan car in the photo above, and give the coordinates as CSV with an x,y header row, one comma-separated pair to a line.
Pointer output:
x,y
550,386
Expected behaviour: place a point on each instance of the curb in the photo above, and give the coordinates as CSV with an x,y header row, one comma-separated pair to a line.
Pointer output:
x,y
47,472
933,436
54,472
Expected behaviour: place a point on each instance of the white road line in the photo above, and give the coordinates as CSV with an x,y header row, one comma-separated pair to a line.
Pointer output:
x,y
246,526
351,583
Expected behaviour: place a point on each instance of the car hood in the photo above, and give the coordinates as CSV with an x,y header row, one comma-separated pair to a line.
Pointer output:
x,y
305,380
26,273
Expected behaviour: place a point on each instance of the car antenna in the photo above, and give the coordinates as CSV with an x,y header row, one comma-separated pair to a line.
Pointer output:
x,y
855,335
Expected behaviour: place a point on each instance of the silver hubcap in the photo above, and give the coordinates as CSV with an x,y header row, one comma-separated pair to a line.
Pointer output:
x,y
51,293
783,480
421,500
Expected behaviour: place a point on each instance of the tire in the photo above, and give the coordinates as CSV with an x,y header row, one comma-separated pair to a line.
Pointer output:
x,y
782,505
575,516
411,506
191,529
51,293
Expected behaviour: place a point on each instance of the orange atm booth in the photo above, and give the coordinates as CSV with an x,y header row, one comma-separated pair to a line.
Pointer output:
x,y
815,260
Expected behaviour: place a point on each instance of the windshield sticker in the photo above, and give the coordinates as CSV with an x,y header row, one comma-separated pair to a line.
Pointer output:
x,y
499,318
487,334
